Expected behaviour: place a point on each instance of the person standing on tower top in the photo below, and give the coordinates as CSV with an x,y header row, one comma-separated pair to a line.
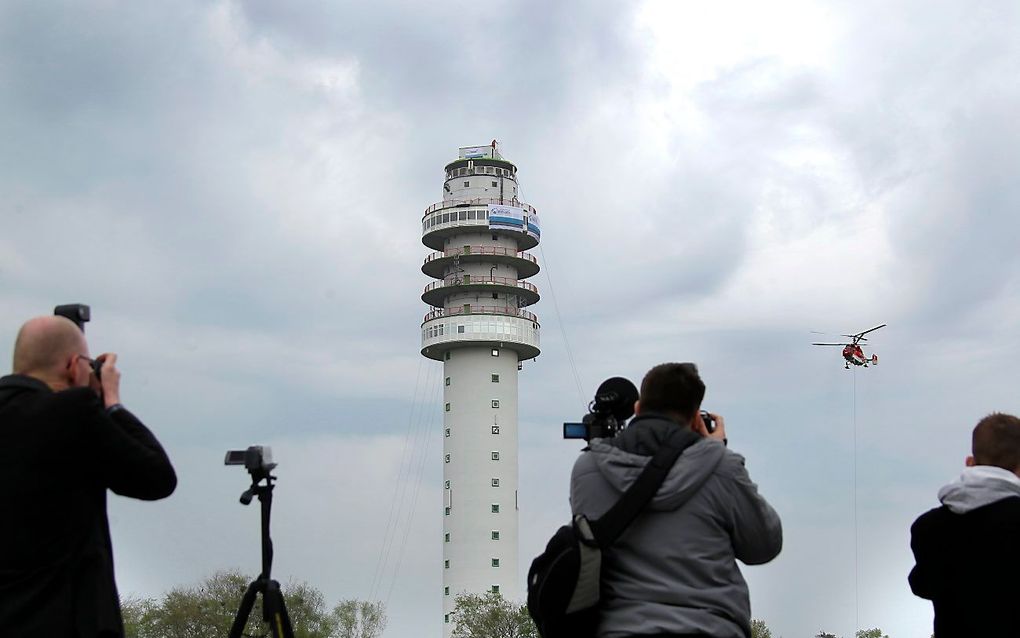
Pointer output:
x,y
65,439
674,573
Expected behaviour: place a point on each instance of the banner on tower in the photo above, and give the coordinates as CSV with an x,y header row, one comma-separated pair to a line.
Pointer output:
x,y
474,152
534,227
509,217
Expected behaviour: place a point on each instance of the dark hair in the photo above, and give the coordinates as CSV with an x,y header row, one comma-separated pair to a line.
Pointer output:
x,y
996,441
672,387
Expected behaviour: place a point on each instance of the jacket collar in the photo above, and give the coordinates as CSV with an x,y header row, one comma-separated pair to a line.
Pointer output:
x,y
23,382
648,432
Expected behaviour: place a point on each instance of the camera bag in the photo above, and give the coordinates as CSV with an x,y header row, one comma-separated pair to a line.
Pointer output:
x,y
564,581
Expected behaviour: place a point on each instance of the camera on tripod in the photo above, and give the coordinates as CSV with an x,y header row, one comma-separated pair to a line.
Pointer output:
x,y
257,458
607,413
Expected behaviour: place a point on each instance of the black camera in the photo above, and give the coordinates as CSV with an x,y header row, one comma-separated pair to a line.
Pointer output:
x,y
607,413
709,421
79,313
256,458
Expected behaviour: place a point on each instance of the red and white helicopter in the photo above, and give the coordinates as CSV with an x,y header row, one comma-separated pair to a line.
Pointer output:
x,y
852,351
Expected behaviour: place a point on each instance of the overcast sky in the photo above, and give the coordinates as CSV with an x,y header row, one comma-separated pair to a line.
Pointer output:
x,y
236,188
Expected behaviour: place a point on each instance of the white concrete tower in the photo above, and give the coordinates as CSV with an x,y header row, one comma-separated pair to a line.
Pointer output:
x,y
479,329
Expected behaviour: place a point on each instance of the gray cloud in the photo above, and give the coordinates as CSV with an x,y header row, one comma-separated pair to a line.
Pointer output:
x,y
236,189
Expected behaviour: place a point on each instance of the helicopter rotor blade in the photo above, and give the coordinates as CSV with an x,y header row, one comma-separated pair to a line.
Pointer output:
x,y
872,329
830,344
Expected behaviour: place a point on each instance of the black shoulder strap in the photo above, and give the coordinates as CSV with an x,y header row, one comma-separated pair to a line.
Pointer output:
x,y
610,525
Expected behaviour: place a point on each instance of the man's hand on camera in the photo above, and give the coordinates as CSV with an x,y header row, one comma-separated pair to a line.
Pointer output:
x,y
720,426
109,379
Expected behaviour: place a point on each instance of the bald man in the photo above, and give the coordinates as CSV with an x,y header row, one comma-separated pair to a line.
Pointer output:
x,y
65,439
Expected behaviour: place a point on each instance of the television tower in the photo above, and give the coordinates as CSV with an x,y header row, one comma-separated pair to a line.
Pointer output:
x,y
479,328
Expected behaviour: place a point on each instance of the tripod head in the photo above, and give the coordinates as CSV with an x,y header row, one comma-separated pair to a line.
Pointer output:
x,y
258,460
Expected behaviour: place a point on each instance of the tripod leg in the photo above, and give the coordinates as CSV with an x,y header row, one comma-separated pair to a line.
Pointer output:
x,y
276,611
247,602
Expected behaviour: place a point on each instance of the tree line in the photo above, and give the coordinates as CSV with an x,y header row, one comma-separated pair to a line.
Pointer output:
x,y
207,610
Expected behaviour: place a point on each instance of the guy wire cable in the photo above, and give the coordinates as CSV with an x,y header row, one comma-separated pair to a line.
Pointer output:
x,y
563,330
414,499
397,496
559,319
384,551
415,464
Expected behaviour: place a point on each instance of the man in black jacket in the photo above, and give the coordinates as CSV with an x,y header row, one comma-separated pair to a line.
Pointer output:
x,y
65,439
968,551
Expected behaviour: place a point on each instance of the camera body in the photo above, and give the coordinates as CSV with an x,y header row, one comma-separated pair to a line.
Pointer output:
x,y
593,425
257,458
79,313
607,413
709,421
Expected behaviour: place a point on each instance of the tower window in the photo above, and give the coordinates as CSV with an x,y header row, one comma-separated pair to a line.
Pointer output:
x,y
495,352
495,379
447,432
446,564
495,482
494,237
447,484
446,591
495,184
446,511
495,562
447,380
447,407
495,403
495,456
495,429
446,537
495,508
446,618
495,534
447,355
495,295
460,329
446,458
467,183
494,589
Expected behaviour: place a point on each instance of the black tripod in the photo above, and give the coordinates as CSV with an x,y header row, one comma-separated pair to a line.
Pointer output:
x,y
274,610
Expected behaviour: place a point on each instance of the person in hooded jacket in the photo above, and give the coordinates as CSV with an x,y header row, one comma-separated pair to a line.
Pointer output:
x,y
673,573
967,552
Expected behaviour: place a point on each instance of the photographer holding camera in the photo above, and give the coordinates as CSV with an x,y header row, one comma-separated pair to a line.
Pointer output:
x,y
673,573
64,440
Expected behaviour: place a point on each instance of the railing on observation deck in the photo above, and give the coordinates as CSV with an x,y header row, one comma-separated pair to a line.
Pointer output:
x,y
482,250
479,201
440,313
498,281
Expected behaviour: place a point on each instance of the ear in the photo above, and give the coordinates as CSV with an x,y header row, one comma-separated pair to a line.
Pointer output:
x,y
970,462
70,372
637,407
698,424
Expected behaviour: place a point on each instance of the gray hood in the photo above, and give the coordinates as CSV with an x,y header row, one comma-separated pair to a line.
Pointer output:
x,y
695,465
979,486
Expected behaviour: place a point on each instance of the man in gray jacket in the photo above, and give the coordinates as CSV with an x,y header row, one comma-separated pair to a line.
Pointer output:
x,y
673,572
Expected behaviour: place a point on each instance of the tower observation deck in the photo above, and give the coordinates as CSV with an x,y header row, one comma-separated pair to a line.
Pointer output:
x,y
478,326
